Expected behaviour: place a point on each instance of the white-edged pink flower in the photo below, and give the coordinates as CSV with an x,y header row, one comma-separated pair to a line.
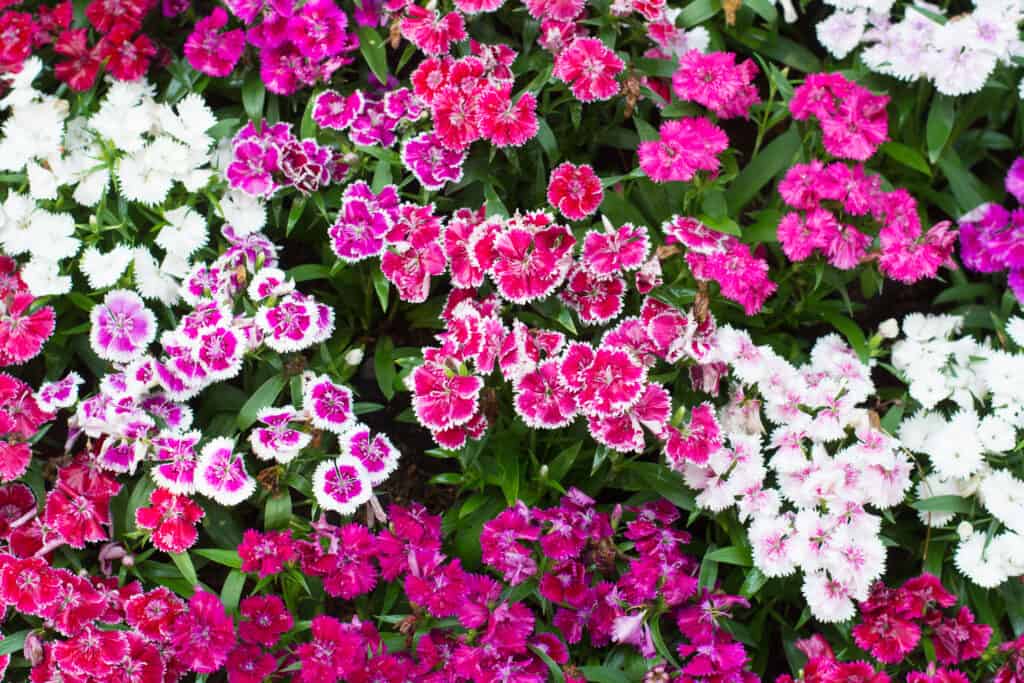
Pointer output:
x,y
341,485
615,249
269,282
220,473
359,231
121,455
122,326
328,405
386,201
597,300
278,440
60,394
542,400
220,352
336,111
612,383
464,229
441,398
378,455
530,261
288,326
432,163
176,458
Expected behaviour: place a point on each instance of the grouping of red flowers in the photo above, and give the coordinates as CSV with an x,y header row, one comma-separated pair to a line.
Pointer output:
x,y
113,41
893,623
836,203
21,416
571,550
24,326
853,119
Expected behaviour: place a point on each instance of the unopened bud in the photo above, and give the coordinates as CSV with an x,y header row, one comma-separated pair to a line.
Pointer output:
x,y
889,329
544,471
964,530
33,649
354,356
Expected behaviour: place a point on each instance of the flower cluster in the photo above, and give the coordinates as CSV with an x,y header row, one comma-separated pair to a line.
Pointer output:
x,y
828,463
893,624
853,120
267,157
742,275
24,326
145,149
714,80
836,203
992,238
958,54
683,148
971,410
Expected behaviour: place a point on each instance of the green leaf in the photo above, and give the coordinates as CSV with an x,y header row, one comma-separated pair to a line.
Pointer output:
x,y
309,271
495,207
547,140
939,125
908,156
942,504
183,561
561,465
372,47
775,158
699,11
721,224
852,332
13,643
384,366
263,397
553,669
604,674
381,175
228,558
662,68
731,555
231,592
253,95
753,583
967,189
277,513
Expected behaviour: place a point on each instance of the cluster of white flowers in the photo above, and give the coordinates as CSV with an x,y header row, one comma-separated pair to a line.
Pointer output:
x,y
958,54
971,398
145,147
804,483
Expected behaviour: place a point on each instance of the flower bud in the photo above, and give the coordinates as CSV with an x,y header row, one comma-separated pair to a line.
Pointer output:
x,y
889,329
964,530
354,356
33,649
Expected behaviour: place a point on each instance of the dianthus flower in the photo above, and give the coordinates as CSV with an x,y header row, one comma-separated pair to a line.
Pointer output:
x,y
266,553
211,51
853,119
715,81
575,191
590,69
172,520
122,326
684,147
204,635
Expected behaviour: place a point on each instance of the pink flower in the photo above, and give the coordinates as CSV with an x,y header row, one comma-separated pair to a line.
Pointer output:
x,y
373,126
590,69
328,405
359,232
464,229
478,6
715,81
334,648
530,258
264,618
541,400
154,613
597,300
176,458
506,123
431,162
563,11
29,585
277,440
318,29
337,112
204,635
698,441
220,473
959,638
684,147
23,328
575,190
455,118
615,250
378,455
441,398
249,664
92,652
415,256
430,32
60,394
610,383
342,484
266,553
888,636
845,246
853,119
290,325
212,52
172,520
122,326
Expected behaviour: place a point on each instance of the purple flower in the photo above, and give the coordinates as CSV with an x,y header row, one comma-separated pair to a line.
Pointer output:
x,y
432,163
122,326
318,30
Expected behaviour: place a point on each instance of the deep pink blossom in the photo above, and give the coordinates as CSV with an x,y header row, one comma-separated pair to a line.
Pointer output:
x,y
716,81
590,69
575,191
211,50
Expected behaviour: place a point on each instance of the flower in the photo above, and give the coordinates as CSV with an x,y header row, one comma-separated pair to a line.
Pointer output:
x,y
684,147
336,111
328,405
211,51
204,635
264,619
715,81
172,520
220,473
266,553
575,190
122,326
590,69
342,484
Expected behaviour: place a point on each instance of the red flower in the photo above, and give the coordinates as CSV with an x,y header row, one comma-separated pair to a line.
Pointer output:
x,y
504,122
154,613
16,32
106,14
29,585
266,553
575,190
249,664
590,69
127,59
203,637
79,71
430,32
172,520
264,619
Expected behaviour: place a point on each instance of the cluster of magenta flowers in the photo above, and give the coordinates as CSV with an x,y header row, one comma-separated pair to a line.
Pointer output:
x,y
838,205
894,626
269,157
992,237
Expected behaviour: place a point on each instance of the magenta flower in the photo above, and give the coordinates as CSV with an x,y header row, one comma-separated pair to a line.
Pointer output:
x,y
277,440
430,32
359,232
328,405
432,163
441,399
220,473
575,191
122,326
530,258
318,29
337,112
616,249
378,455
684,147
290,325
266,554
590,69
597,300
176,458
716,81
542,401
264,618
204,635
506,123
211,51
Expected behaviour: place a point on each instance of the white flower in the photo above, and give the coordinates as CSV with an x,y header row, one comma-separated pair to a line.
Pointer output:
x,y
16,229
961,70
956,451
354,356
1003,495
976,560
889,329
143,177
185,232
842,31
44,279
245,213
1015,328
828,598
964,530
42,182
104,270
34,130
997,435
151,282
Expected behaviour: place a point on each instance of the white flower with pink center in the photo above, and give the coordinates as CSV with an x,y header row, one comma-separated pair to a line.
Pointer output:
x,y
122,326
278,440
342,484
328,405
290,325
176,458
220,473
60,394
378,455
269,282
